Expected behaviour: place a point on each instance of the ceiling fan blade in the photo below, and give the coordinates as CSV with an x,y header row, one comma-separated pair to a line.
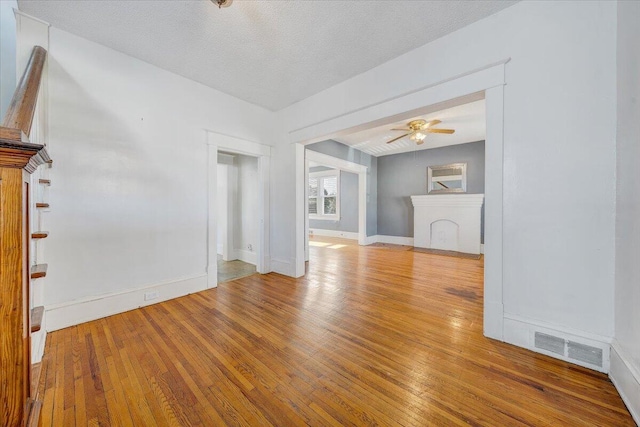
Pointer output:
x,y
431,123
404,130
449,131
400,137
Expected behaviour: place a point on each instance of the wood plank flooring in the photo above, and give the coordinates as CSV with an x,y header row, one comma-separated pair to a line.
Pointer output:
x,y
369,337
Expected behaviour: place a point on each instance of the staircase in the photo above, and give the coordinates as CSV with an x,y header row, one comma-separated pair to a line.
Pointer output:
x,y
24,183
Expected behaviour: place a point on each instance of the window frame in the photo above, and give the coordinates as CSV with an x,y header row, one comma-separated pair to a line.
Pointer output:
x,y
320,176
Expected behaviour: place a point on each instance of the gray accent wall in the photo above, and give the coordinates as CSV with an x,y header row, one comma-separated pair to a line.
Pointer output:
x,y
348,204
403,175
344,152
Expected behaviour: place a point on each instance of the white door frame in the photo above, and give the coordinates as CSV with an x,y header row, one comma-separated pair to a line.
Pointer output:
x,y
343,165
227,217
230,144
486,82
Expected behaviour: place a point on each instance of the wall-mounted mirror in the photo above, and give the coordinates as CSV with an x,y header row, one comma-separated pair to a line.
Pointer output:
x,y
447,178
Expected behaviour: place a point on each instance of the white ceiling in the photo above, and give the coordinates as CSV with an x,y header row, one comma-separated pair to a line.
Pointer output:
x,y
468,121
270,53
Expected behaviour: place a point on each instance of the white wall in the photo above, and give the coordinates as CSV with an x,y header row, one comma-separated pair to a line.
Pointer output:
x,y
246,232
7,54
625,364
129,193
559,121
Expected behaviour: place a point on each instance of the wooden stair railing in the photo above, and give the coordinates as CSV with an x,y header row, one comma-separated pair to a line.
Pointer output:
x,y
19,157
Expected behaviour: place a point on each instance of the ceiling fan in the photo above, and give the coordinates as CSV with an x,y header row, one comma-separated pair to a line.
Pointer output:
x,y
418,130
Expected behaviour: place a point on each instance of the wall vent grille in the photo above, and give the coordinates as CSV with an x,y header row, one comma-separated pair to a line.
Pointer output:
x,y
593,356
585,353
549,343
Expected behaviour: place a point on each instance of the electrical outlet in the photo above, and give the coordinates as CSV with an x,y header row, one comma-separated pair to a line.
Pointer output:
x,y
250,247
148,296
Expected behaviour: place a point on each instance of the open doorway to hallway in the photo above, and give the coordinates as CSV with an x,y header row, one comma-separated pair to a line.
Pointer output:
x,y
237,193
426,194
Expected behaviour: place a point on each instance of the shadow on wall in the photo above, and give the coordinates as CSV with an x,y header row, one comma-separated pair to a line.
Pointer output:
x,y
119,190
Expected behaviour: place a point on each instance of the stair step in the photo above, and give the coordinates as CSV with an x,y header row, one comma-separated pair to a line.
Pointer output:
x,y
38,271
36,318
34,409
44,181
39,234
42,205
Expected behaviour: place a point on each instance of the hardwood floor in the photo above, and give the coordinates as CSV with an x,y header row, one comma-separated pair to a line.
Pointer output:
x,y
371,336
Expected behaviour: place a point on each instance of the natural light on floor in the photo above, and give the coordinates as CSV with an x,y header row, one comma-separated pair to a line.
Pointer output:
x,y
327,245
320,244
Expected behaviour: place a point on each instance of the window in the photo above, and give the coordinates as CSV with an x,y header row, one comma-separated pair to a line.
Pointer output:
x,y
324,197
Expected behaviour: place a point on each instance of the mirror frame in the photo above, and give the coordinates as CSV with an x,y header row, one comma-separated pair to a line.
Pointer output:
x,y
432,190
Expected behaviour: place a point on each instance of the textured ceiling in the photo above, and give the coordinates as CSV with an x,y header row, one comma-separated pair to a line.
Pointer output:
x,y
270,53
468,121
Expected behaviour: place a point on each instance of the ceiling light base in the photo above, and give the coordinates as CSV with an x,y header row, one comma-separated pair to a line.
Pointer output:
x,y
222,3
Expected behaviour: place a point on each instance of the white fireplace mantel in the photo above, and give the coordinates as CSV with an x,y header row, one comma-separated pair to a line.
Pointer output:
x,y
448,222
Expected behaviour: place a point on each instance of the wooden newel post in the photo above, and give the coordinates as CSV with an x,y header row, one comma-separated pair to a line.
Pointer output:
x,y
18,158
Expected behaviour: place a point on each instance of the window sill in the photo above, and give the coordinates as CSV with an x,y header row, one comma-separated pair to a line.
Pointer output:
x,y
325,217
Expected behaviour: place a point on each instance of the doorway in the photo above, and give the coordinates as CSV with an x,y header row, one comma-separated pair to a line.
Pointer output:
x,y
238,206
331,177
485,83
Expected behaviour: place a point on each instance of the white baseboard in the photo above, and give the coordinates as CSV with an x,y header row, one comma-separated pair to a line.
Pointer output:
x,y
333,233
38,340
626,378
369,240
72,313
521,331
286,268
394,240
246,256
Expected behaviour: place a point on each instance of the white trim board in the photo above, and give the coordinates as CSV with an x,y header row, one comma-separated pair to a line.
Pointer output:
x,y
333,233
626,379
485,82
393,240
378,238
72,313
335,162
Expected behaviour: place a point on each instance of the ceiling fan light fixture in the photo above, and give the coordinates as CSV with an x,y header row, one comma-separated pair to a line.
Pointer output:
x,y
222,3
418,136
